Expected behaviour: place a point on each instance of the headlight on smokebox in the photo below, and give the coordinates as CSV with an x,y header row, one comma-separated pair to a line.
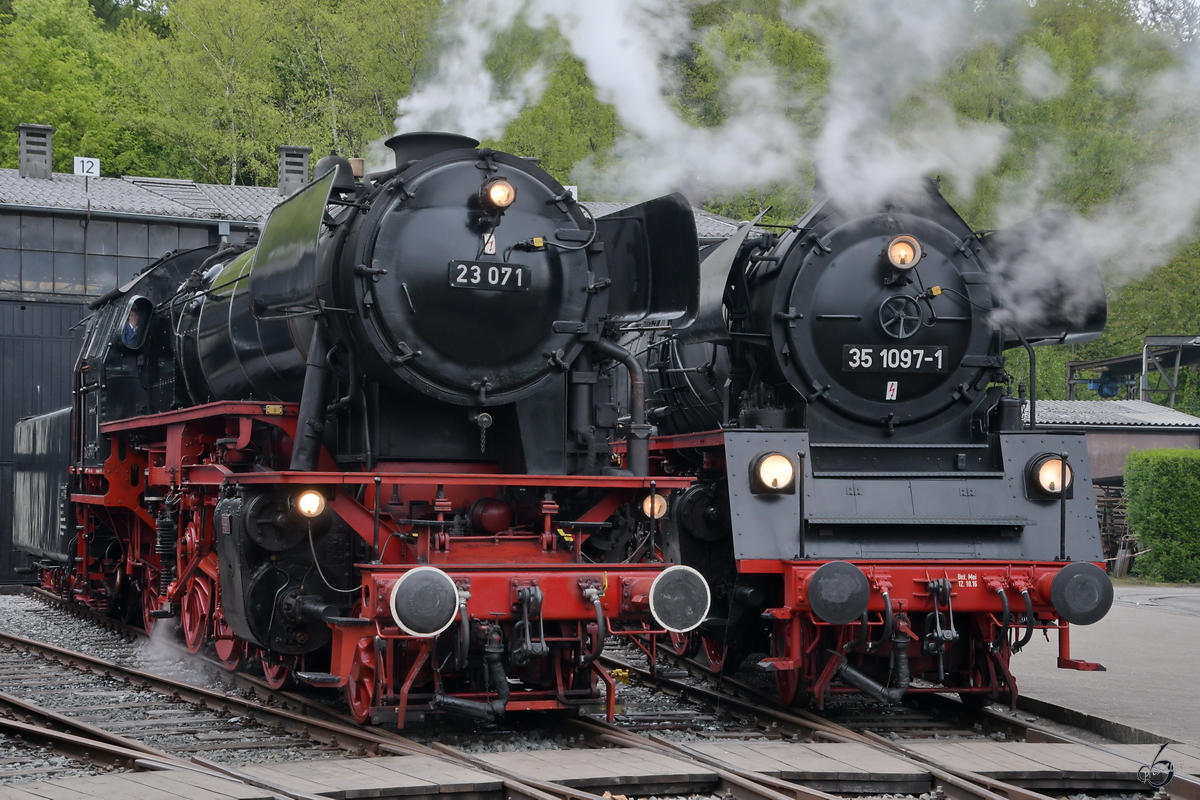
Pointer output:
x,y
903,252
772,473
1047,476
498,194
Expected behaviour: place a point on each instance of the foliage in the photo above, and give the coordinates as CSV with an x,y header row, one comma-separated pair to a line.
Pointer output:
x,y
1083,143
1162,490
58,67
738,38
207,90
566,125
201,89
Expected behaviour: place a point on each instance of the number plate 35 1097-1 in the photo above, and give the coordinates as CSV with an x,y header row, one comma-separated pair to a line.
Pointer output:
x,y
489,275
872,358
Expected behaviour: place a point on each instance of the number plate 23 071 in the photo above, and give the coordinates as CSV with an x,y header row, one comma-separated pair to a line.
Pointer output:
x,y
489,275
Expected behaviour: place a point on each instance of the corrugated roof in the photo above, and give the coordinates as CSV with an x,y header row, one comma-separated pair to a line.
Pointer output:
x,y
134,195
170,197
708,226
244,202
1102,413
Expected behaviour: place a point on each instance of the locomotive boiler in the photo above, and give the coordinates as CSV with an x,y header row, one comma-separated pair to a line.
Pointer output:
x,y
871,507
374,449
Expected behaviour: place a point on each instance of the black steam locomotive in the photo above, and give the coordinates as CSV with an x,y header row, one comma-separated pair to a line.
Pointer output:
x,y
374,449
870,505
405,444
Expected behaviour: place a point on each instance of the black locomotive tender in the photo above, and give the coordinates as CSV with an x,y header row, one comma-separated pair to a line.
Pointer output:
x,y
404,445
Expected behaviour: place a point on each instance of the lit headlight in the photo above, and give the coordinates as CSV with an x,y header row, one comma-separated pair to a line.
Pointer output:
x,y
310,503
654,506
903,252
773,473
1048,475
498,194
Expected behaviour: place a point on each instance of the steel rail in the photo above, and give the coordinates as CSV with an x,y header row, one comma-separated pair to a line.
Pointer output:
x,y
48,720
244,681
337,729
955,782
328,733
735,780
84,747
1181,787
88,740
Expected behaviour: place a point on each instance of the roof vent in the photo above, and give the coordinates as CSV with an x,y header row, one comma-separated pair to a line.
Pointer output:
x,y
33,147
293,167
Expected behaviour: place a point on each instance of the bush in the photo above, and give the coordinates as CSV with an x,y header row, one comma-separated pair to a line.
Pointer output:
x,y
1162,493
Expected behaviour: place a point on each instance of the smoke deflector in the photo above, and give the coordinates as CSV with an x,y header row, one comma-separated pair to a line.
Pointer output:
x,y
1046,284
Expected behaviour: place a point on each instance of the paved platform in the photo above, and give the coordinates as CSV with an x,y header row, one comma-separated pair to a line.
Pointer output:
x,y
832,767
170,785
619,771
1150,646
396,776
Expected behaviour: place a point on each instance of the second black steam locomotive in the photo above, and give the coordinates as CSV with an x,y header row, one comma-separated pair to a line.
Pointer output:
x,y
870,506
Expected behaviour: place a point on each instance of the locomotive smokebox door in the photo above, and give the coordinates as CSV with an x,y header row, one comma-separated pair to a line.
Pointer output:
x,y
862,336
462,270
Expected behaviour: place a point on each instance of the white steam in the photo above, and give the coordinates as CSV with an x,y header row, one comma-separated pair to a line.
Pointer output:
x,y
1153,214
882,130
464,97
626,47
883,125
1038,78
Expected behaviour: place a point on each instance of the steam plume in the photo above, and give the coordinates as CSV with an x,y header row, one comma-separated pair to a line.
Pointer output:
x,y
883,124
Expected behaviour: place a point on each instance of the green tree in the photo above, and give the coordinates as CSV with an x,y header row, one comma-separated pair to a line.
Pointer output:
x,y
209,88
566,125
59,67
341,66
747,37
1073,91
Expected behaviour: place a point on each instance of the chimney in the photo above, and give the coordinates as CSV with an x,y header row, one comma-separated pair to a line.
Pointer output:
x,y
33,148
293,167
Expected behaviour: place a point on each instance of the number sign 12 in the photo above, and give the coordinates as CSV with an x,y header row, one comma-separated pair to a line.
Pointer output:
x,y
87,167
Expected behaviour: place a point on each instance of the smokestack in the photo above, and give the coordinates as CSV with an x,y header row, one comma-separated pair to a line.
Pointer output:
x,y
34,150
293,168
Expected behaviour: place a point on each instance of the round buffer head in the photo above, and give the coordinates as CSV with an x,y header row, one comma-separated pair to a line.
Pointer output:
x,y
424,601
838,592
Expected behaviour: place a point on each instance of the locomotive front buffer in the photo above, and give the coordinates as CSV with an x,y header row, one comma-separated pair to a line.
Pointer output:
x,y
857,580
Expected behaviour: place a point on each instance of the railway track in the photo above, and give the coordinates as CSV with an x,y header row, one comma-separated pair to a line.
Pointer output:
x,y
863,725
280,720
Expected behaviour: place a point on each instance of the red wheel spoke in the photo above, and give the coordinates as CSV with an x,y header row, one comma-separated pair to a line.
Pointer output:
x,y
712,653
150,601
276,673
360,689
195,613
